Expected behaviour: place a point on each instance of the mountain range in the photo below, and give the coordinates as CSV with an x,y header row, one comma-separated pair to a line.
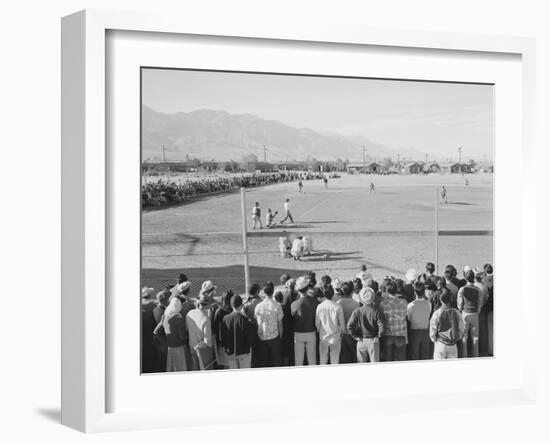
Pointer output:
x,y
218,135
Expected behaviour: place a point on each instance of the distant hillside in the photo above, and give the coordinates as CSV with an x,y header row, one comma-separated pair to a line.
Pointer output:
x,y
211,134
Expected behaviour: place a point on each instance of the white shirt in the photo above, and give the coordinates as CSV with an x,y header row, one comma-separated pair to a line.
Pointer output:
x,y
287,206
268,313
329,320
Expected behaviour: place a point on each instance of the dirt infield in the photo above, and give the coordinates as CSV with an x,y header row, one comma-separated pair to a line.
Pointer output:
x,y
389,230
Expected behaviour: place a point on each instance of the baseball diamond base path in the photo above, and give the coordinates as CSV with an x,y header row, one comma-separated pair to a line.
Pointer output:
x,y
389,230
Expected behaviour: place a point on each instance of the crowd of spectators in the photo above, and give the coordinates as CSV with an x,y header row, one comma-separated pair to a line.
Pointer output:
x,y
306,321
164,193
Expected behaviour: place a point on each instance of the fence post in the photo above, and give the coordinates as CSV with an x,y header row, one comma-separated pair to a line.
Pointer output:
x,y
436,228
245,241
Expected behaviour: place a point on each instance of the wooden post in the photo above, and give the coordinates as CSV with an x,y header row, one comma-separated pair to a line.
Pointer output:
x,y
245,240
436,229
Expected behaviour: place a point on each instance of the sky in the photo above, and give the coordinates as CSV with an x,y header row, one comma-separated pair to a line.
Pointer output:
x,y
435,118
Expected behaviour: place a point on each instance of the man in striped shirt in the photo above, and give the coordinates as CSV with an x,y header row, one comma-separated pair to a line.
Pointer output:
x,y
394,340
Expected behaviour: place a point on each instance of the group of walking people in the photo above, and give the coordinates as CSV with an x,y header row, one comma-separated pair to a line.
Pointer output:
x,y
306,321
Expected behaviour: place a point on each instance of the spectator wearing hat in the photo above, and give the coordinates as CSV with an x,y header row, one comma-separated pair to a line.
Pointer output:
x,y
200,332
394,340
269,317
446,328
222,310
176,337
469,301
160,346
337,287
488,280
330,324
348,352
238,333
418,317
182,283
303,313
366,327
408,289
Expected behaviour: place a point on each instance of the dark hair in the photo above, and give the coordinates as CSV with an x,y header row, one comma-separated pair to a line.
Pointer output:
x,y
284,278
488,269
226,298
445,297
278,297
182,277
430,285
311,277
390,286
357,284
470,276
254,289
399,283
236,302
268,288
448,273
347,288
326,280
430,267
372,284
440,282
364,268
418,288
329,292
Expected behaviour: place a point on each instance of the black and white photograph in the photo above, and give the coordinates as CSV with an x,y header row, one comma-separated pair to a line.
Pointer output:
x,y
301,220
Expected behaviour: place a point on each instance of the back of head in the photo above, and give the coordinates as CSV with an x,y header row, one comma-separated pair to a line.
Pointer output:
x,y
236,302
488,269
226,298
278,297
364,268
430,267
445,297
372,284
254,289
328,293
469,275
418,288
268,288
347,288
390,287
399,284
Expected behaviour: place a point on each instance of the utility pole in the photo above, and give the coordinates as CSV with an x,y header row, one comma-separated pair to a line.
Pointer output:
x,y
426,158
460,156
163,153
265,154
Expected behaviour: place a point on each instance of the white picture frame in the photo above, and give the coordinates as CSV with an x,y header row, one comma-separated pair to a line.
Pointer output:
x,y
85,199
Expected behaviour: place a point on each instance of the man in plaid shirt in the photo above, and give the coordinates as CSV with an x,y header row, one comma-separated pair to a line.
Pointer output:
x,y
394,341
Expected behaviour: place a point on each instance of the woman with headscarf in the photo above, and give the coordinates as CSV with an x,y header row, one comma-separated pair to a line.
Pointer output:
x,y
176,336
223,310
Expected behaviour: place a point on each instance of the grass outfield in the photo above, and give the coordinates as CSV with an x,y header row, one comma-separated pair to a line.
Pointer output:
x,y
389,230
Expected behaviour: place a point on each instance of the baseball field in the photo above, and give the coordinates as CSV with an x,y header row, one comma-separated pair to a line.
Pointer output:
x,y
390,230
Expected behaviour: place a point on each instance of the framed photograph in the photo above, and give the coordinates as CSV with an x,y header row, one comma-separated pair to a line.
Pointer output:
x,y
279,206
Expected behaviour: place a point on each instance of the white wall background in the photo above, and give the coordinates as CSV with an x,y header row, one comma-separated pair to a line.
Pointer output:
x,y
30,215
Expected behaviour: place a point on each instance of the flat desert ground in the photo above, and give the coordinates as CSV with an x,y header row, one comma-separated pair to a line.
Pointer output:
x,y
390,230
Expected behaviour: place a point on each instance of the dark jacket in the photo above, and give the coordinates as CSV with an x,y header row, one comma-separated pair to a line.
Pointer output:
x,y
366,322
469,301
178,332
237,332
303,312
